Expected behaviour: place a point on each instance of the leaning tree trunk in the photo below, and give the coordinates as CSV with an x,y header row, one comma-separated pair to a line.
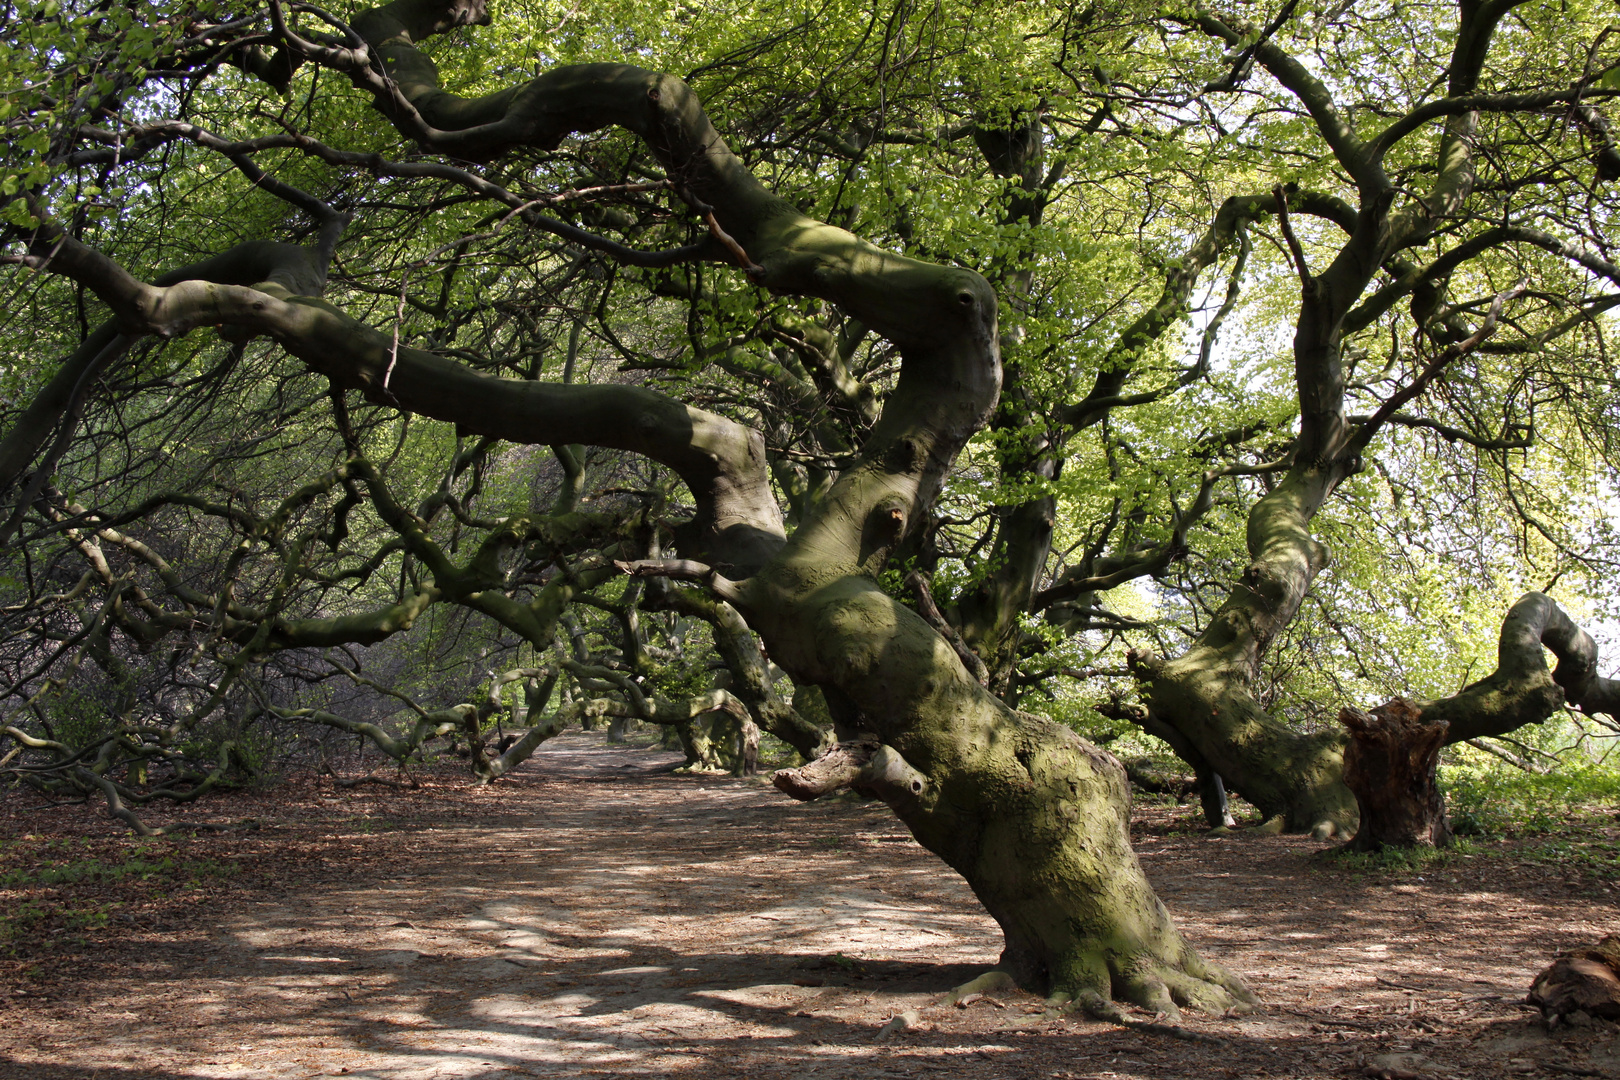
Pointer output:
x,y
1205,694
1390,763
1303,777
1030,814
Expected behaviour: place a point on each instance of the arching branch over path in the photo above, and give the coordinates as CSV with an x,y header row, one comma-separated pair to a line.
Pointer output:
x,y
1031,815
1521,690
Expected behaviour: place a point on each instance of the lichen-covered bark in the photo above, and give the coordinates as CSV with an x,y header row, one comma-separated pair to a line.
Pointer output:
x,y
1032,816
1205,694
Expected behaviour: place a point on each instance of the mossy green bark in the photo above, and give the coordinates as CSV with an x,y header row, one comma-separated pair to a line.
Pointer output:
x,y
1206,693
1032,816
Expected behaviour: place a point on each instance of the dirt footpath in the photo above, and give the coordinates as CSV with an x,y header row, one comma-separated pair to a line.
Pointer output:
x,y
597,916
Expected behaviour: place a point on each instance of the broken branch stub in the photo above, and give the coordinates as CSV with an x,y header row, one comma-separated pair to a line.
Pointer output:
x,y
1389,765
835,769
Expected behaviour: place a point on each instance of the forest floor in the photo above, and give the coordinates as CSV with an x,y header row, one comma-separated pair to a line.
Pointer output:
x,y
598,916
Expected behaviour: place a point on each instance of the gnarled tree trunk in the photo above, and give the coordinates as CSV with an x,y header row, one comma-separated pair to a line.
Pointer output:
x,y
1031,815
1302,776
1206,693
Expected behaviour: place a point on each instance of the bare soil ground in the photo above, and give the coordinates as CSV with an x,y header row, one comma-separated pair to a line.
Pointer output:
x,y
596,916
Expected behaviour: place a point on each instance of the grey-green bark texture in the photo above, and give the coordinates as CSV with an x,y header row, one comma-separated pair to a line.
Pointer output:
x,y
1031,815
1206,694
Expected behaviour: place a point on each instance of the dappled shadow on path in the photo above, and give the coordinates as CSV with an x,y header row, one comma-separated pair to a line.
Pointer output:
x,y
607,918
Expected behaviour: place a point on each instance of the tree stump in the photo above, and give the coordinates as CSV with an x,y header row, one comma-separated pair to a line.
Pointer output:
x,y
1389,764
1582,981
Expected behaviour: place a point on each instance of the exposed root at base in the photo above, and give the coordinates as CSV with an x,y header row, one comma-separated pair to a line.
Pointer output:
x,y
1089,1002
1098,1007
381,781
1326,829
994,979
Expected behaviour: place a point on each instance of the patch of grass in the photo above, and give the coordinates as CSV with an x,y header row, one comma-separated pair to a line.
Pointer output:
x,y
1566,819
31,861
1187,818
1397,862
37,920
56,886
1597,854
1501,803
37,916
94,869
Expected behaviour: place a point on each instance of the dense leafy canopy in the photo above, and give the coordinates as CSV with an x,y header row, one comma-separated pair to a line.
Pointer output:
x,y
212,548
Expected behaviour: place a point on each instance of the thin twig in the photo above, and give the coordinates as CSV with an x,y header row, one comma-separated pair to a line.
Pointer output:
x,y
1451,352
393,349
523,211
685,570
755,271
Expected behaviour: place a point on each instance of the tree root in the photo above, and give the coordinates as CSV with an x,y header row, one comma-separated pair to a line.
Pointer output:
x,y
906,1021
1098,1007
1148,992
370,778
699,770
117,809
994,979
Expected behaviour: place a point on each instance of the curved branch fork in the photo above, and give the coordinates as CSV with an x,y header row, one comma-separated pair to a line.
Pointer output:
x,y
1521,690
721,461
1390,764
782,249
942,318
